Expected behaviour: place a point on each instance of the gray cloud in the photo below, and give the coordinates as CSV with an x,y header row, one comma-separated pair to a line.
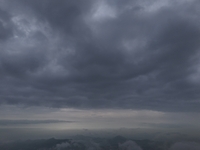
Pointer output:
x,y
100,54
5,25
26,122
185,146
62,146
128,145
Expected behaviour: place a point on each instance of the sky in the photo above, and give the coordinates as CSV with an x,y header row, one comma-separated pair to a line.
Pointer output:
x,y
94,64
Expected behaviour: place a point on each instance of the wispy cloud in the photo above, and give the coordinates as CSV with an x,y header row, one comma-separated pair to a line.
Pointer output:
x,y
27,122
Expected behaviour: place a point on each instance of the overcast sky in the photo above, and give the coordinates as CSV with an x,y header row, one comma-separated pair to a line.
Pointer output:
x,y
116,59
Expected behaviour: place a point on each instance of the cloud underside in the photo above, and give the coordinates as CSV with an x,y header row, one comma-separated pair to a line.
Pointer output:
x,y
100,54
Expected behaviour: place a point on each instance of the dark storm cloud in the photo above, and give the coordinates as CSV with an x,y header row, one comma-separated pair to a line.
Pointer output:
x,y
100,54
5,25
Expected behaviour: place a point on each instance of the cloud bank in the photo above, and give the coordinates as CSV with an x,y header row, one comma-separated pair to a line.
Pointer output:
x,y
27,122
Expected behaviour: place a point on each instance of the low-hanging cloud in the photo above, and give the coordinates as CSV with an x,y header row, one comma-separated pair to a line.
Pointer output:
x,y
185,146
138,55
129,145
62,146
27,122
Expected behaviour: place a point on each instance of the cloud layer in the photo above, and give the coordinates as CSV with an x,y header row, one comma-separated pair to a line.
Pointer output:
x,y
100,54
27,122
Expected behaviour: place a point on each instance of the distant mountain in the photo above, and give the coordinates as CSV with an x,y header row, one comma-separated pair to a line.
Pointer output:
x,y
33,144
87,143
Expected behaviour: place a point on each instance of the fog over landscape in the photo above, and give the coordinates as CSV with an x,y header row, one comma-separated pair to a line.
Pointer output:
x,y
117,70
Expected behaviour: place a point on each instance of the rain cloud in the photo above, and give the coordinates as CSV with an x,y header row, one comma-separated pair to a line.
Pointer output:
x,y
89,54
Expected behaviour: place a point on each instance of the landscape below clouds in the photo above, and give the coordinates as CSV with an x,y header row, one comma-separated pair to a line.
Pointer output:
x,y
97,143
